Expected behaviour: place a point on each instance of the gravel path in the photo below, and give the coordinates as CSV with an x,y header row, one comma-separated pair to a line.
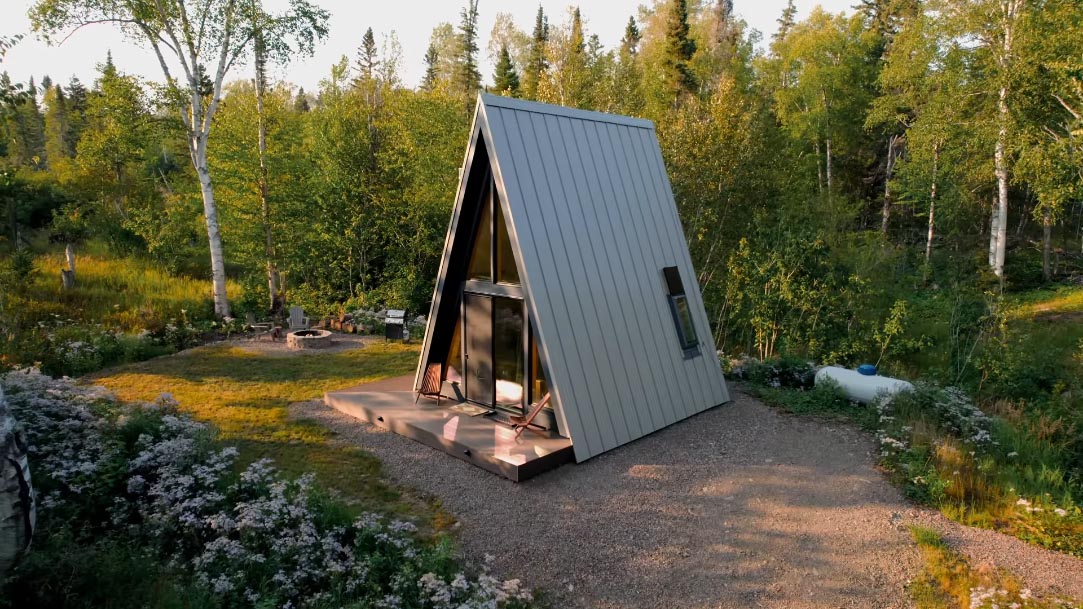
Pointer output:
x,y
740,506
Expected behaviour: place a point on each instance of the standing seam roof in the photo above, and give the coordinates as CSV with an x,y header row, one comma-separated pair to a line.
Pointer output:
x,y
591,208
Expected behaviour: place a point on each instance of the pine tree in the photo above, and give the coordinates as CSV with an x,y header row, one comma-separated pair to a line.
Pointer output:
x,y
786,21
629,44
679,48
76,94
58,145
467,76
26,135
537,63
505,79
367,57
628,79
432,57
300,103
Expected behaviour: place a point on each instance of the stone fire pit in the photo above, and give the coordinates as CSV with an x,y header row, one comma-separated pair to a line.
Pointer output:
x,y
308,339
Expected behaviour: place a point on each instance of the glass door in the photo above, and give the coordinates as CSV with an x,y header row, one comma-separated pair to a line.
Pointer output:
x,y
508,353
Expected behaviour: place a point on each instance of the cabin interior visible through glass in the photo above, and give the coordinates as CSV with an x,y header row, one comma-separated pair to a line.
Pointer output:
x,y
493,354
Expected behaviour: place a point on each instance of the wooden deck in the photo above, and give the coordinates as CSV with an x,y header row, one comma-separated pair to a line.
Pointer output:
x,y
478,440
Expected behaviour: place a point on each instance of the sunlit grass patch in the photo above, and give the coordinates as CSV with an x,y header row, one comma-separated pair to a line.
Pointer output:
x,y
1049,302
246,396
948,581
126,293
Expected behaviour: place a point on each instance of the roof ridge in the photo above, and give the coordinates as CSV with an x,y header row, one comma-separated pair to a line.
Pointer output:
x,y
512,103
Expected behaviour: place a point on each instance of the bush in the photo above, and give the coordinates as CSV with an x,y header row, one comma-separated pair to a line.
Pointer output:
x,y
142,508
945,451
789,372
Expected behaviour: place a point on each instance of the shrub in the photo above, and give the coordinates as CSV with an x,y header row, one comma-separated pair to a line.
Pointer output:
x,y
121,486
945,451
789,372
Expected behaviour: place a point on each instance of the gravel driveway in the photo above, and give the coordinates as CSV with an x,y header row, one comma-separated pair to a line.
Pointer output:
x,y
740,506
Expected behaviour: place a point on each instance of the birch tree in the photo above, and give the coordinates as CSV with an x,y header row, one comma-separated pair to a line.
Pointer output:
x,y
196,43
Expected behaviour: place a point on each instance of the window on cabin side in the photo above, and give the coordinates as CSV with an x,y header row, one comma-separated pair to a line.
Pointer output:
x,y
682,314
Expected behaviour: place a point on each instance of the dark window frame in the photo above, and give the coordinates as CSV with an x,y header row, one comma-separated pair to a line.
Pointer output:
x,y
683,322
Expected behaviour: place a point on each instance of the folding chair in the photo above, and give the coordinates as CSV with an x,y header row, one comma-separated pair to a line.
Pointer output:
x,y
430,385
521,424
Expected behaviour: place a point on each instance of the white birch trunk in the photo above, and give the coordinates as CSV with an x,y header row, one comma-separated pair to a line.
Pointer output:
x,y
932,208
885,212
214,237
1000,157
272,271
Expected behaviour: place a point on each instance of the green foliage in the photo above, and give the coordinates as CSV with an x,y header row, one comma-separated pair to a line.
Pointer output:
x,y
795,296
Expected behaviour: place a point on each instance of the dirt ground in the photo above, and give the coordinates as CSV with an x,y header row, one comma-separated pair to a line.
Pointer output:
x,y
263,345
740,506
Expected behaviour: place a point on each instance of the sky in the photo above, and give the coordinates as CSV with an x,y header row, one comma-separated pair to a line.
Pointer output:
x,y
411,20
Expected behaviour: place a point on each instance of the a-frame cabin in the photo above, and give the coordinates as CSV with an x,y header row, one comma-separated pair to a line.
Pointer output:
x,y
565,270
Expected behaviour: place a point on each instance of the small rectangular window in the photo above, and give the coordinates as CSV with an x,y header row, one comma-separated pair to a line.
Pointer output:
x,y
682,314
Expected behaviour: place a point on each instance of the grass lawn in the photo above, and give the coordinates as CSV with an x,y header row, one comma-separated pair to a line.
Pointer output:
x,y
246,397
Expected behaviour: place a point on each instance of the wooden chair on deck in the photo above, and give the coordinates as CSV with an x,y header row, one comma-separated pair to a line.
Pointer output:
x,y
520,424
430,384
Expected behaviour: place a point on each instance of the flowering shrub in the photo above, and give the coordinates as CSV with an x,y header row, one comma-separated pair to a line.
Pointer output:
x,y
946,451
65,347
153,481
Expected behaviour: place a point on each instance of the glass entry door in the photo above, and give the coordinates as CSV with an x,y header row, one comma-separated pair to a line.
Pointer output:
x,y
478,329
508,353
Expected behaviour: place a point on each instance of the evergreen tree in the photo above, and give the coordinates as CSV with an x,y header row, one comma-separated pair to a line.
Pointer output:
x,y
432,57
367,57
537,63
25,127
786,21
58,145
627,76
300,103
467,76
76,101
679,48
629,43
505,79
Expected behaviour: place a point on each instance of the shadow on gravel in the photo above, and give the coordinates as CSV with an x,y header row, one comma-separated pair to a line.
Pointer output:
x,y
736,507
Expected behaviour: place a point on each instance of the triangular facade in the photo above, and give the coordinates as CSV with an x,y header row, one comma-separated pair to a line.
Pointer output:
x,y
565,271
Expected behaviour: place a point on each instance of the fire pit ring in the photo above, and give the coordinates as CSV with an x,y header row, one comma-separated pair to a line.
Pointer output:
x,y
308,339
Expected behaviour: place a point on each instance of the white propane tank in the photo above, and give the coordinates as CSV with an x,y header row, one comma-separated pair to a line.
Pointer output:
x,y
859,387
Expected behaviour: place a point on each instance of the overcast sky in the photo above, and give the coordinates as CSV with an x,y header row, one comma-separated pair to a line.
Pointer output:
x,y
411,20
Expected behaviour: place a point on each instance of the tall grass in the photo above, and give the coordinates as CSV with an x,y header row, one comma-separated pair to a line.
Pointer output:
x,y
125,293
120,310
